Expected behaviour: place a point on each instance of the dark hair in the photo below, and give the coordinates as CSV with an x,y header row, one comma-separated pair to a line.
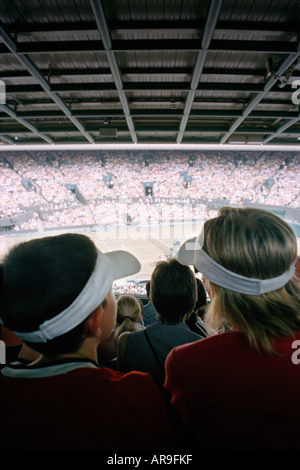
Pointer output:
x,y
173,291
42,278
148,289
201,295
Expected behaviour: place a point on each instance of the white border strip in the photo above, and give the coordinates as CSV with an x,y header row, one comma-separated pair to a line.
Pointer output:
x,y
117,146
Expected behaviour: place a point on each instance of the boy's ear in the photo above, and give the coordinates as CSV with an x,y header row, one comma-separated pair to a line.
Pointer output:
x,y
94,321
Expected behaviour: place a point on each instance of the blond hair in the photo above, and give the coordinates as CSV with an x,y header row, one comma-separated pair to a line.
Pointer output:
x,y
257,244
129,315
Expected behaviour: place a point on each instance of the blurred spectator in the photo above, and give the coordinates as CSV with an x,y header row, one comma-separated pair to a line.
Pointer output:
x,y
129,318
195,320
264,178
149,315
173,292
57,296
248,258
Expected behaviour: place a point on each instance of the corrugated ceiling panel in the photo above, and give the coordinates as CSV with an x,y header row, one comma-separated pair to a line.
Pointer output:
x,y
223,63
259,10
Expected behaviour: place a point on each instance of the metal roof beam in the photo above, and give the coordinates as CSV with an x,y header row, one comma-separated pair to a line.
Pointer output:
x,y
132,86
153,113
32,69
141,26
25,123
138,71
107,42
267,87
125,45
271,28
6,139
151,126
281,130
205,43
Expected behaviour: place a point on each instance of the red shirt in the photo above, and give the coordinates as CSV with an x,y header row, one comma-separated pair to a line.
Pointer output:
x,y
76,405
9,338
233,397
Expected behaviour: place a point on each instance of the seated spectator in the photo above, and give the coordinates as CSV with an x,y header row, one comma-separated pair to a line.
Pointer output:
x,y
129,314
149,315
35,194
195,320
173,292
57,298
245,377
129,318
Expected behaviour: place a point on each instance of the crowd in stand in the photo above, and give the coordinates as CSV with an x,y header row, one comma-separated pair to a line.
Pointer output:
x,y
89,373
80,182
130,288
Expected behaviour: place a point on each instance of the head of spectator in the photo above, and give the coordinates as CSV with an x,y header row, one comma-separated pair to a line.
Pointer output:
x,y
129,314
173,291
148,289
129,318
149,313
248,257
57,294
195,320
201,303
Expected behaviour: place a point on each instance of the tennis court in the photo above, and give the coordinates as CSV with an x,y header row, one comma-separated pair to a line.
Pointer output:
x,y
149,244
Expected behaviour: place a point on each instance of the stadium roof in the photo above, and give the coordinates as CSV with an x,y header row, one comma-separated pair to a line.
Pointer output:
x,y
150,72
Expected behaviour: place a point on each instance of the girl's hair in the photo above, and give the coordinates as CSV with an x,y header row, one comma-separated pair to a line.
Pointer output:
x,y
173,291
129,315
41,278
254,243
